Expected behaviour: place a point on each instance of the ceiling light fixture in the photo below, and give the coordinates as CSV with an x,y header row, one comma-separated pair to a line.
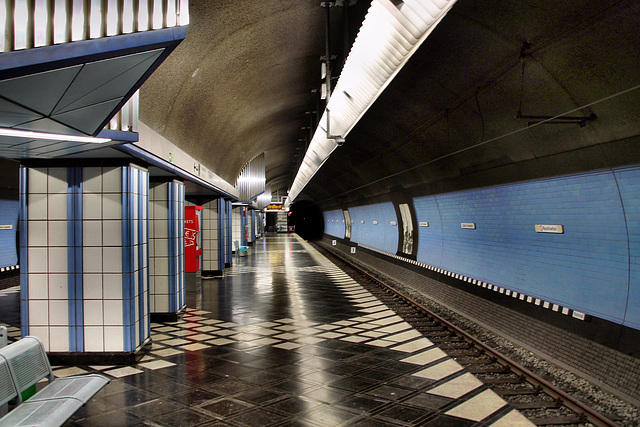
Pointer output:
x,y
391,32
16,133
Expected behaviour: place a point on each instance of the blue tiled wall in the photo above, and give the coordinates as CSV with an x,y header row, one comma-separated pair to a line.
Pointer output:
x,y
593,267
8,216
629,183
382,236
587,268
334,223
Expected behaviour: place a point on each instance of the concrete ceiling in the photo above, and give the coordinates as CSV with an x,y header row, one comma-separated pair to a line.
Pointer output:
x,y
241,82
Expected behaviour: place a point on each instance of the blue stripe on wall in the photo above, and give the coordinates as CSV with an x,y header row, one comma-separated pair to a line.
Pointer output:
x,y
145,224
182,293
173,289
78,244
24,252
139,199
74,260
221,234
71,264
228,232
127,261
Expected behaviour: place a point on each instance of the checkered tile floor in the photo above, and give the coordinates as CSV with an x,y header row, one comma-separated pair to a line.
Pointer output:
x,y
287,338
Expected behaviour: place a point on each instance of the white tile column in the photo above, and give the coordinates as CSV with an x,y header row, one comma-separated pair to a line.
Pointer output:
x,y
84,245
166,250
228,234
212,237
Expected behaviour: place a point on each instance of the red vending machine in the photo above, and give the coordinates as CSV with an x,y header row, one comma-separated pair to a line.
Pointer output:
x,y
191,230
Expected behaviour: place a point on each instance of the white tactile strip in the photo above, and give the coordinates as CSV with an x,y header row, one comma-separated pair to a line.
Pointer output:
x,y
495,288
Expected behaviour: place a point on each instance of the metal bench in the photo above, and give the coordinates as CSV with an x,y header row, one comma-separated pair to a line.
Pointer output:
x,y
22,365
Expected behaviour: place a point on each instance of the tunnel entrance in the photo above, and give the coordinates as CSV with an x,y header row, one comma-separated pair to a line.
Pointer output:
x,y
307,218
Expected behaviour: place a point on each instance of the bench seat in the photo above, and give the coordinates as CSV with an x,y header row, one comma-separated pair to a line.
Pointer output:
x,y
22,365
44,413
81,388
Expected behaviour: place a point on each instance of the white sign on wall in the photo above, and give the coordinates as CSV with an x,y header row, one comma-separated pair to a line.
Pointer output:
x,y
549,228
353,249
6,227
333,242
424,224
468,225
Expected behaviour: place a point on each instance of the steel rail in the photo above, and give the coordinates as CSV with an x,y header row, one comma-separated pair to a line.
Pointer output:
x,y
570,402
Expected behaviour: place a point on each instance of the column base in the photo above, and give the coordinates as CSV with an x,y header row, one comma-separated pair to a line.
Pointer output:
x,y
227,264
100,358
167,317
210,274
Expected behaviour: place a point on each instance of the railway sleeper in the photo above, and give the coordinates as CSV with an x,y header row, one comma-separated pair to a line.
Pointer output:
x,y
439,331
487,370
462,345
516,392
511,380
448,339
480,361
426,325
537,404
557,421
467,353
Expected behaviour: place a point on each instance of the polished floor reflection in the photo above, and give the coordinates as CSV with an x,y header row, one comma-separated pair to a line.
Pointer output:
x,y
286,338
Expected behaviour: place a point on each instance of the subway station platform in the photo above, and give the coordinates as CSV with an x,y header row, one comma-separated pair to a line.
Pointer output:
x,y
287,338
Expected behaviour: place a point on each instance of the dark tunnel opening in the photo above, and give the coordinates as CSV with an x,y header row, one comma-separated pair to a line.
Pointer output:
x,y
308,220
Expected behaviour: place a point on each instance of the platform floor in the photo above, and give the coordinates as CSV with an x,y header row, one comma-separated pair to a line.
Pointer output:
x,y
287,338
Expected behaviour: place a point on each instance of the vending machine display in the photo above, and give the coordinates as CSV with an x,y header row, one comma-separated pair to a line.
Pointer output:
x,y
192,251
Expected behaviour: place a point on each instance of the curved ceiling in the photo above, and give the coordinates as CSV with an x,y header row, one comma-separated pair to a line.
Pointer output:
x,y
241,82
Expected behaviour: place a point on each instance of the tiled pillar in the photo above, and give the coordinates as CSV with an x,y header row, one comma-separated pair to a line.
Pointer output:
x,y
83,245
243,226
237,226
212,256
222,232
251,226
228,233
166,250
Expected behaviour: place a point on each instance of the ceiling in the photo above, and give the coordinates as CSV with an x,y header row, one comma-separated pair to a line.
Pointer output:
x,y
454,117
241,83
74,89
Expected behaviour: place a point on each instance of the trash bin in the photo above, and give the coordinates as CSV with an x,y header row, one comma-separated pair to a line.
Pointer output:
x,y
243,250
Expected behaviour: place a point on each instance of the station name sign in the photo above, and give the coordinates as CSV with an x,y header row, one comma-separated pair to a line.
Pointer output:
x,y
6,227
549,228
274,207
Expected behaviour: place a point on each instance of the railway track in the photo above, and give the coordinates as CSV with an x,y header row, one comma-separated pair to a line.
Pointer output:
x,y
537,399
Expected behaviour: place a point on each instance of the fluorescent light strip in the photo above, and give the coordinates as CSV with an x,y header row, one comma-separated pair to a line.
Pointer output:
x,y
388,37
51,136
